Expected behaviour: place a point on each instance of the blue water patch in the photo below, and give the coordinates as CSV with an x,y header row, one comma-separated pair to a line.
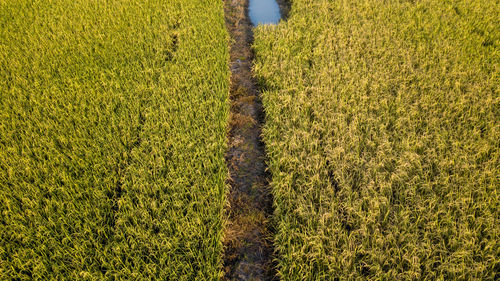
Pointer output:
x,y
264,12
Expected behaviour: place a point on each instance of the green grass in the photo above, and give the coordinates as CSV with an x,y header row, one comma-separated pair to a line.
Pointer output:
x,y
113,120
383,137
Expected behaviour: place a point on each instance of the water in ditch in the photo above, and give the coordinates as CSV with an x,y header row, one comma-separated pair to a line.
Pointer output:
x,y
264,12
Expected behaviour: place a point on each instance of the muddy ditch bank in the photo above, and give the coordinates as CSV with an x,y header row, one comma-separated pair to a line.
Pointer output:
x,y
248,247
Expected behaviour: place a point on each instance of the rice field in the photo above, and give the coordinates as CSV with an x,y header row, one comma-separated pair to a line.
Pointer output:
x,y
383,133
113,117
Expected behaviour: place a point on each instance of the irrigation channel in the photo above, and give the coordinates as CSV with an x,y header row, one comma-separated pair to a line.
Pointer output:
x,y
248,250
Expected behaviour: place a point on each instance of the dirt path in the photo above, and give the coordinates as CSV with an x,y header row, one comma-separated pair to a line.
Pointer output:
x,y
247,242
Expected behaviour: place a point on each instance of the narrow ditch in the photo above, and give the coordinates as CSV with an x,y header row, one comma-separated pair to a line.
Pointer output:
x,y
248,247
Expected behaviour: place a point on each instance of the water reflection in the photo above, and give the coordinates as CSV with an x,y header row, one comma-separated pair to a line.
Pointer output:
x,y
264,12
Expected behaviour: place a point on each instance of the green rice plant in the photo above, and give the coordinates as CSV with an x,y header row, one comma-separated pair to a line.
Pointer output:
x,y
113,120
383,135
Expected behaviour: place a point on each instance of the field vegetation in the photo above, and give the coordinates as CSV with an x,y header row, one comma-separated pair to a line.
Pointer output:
x,y
383,135
113,120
